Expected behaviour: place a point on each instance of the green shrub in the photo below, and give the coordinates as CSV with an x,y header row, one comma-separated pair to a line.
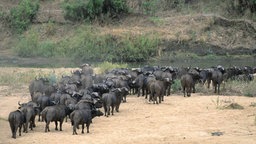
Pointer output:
x,y
94,8
241,6
136,48
30,46
78,10
115,7
87,45
150,7
27,45
46,49
176,86
22,16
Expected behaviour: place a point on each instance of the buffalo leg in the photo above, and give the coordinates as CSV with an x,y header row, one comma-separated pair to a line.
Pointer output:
x,y
184,92
218,88
112,110
82,128
56,125
189,91
117,108
74,130
108,111
61,122
20,130
13,130
87,126
26,127
31,125
47,127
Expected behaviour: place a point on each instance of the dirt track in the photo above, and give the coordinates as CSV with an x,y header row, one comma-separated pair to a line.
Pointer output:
x,y
176,120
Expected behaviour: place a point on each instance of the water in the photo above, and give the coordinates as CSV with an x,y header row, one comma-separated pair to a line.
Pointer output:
x,y
186,61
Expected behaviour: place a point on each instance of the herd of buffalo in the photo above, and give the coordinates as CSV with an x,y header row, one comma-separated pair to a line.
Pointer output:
x,y
80,95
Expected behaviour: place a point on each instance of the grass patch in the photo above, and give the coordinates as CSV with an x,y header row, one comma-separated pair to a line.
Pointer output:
x,y
239,88
16,77
156,20
106,66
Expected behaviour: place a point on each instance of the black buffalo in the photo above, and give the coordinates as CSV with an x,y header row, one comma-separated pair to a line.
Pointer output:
x,y
30,114
187,83
158,88
42,85
54,113
217,78
44,101
83,116
111,100
16,120
138,84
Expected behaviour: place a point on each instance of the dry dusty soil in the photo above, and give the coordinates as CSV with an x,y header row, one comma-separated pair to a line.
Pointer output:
x,y
176,120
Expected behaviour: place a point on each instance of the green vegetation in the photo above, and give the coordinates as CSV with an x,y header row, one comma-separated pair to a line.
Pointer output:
x,y
22,16
176,86
78,10
106,66
16,78
231,87
31,46
81,38
87,45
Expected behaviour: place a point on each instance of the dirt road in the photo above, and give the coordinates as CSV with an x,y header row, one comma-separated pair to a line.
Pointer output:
x,y
176,120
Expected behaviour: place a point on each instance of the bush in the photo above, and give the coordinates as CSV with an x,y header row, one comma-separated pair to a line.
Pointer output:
x,y
150,7
88,45
135,48
22,16
27,45
115,7
241,6
176,86
30,46
77,10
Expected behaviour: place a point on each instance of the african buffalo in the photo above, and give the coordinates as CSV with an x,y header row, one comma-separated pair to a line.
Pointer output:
x,y
87,69
29,114
44,101
111,100
187,83
156,91
16,120
54,113
146,84
138,84
86,81
217,78
83,116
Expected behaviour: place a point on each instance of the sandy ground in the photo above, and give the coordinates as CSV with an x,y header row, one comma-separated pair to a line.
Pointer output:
x,y
176,120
